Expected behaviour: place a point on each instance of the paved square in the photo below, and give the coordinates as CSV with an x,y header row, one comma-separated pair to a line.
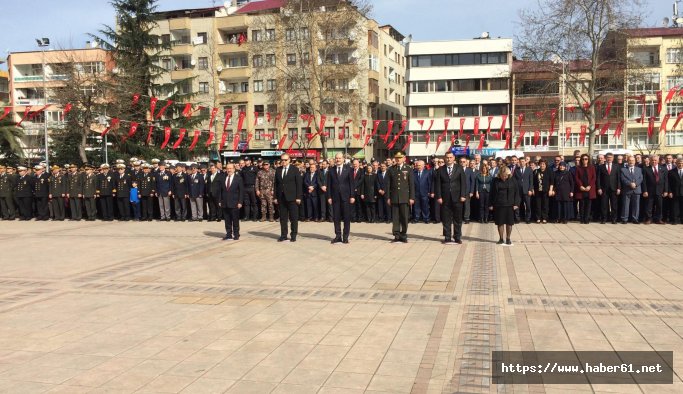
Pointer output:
x,y
168,307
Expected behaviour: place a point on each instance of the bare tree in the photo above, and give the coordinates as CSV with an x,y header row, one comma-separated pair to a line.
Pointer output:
x,y
316,50
556,34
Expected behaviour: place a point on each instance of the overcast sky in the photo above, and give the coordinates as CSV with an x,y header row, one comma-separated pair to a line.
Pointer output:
x,y
66,22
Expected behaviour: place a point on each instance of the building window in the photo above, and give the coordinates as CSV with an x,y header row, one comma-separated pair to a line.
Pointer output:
x,y
419,112
304,33
272,108
91,67
635,110
258,86
256,35
258,134
466,110
292,132
203,87
343,108
373,63
494,109
270,34
293,110
237,62
329,132
203,63
674,55
290,35
329,108
244,87
645,83
165,39
373,39
257,61
291,59
270,60
498,84
202,38
674,82
305,58
674,109
640,139
674,138
343,84
270,85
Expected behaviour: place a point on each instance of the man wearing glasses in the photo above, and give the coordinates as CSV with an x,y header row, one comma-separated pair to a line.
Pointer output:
x,y
288,193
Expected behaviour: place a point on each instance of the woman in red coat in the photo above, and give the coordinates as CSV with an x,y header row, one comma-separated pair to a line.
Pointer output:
x,y
584,179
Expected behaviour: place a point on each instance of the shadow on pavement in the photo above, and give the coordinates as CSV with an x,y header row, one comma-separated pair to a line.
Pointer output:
x,y
264,235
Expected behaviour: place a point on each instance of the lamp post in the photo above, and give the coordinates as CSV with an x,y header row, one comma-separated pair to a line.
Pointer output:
x,y
43,43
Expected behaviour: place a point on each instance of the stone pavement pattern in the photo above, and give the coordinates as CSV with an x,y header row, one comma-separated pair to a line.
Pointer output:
x,y
159,307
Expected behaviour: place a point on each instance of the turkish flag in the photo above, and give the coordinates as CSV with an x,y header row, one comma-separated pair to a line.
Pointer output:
x,y
678,119
194,139
167,136
482,139
568,133
67,109
427,134
476,125
235,141
582,136
180,138
408,141
131,132
659,102
462,126
113,125
604,128
6,111
608,108
553,118
214,112
618,130
240,121
164,108
664,122
152,106
537,137
228,116
136,98
375,126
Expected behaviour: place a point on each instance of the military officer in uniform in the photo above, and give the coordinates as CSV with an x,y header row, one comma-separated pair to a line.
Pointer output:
x,y
24,194
265,182
121,192
105,187
180,193
400,195
41,192
7,186
74,191
248,174
164,184
146,189
57,193
90,186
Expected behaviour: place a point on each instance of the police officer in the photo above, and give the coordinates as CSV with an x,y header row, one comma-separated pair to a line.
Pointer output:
x,y
164,184
7,186
41,192
74,191
146,189
121,192
248,174
105,188
265,182
400,195
57,193
180,192
89,190
24,194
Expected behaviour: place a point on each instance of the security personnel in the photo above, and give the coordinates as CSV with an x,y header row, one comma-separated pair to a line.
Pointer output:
x,y
74,191
146,189
89,190
7,186
121,192
164,186
265,183
105,188
57,193
400,194
24,194
41,192
248,174
180,192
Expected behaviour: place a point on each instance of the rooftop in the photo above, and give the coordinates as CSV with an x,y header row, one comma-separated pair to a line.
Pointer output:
x,y
263,5
187,13
655,32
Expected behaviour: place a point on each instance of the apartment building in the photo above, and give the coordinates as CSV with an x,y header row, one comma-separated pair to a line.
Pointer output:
x,y
4,85
33,76
454,80
219,52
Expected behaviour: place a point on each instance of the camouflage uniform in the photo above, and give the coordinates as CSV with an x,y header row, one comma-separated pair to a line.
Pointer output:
x,y
265,183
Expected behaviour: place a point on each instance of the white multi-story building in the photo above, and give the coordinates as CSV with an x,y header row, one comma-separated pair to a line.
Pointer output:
x,y
461,79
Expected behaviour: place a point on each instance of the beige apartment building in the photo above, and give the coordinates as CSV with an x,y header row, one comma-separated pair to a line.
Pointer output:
x,y
33,76
214,51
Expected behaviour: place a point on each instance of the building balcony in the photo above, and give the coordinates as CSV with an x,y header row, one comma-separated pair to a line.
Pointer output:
x,y
32,102
182,74
179,48
373,98
239,97
372,74
180,24
230,48
39,78
233,22
235,73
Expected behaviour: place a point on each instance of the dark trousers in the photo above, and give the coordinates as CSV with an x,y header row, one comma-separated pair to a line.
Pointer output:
x,y
325,208
542,205
524,201
421,208
135,209
609,205
213,208
585,210
42,212
400,214
436,210
232,222
289,210
451,218
147,208
565,210
107,206
76,208
357,210
383,210
341,212
25,207
312,206
180,205
90,207
653,203
57,204
467,207
484,206
250,211
677,208
369,210
7,208
123,205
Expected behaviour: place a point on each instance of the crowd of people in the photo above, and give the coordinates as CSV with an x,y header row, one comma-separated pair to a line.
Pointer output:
x,y
613,188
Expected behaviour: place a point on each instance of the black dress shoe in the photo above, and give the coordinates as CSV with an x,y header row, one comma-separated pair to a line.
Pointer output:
x,y
395,240
458,241
237,238
404,240
336,240
602,222
281,239
293,239
345,241
227,237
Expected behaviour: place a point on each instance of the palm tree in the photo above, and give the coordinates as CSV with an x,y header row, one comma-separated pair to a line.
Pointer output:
x,y
10,142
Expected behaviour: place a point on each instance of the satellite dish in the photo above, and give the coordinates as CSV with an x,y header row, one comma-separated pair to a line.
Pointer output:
x,y
219,68
679,21
665,22
485,34
115,70
193,61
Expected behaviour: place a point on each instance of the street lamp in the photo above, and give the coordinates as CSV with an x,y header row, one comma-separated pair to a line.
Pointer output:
x,y
43,43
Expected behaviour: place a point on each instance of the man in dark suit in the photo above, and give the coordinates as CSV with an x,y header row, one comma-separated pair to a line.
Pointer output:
x,y
213,185
340,186
676,192
311,190
609,188
631,186
423,190
450,191
471,177
655,188
400,193
325,208
357,175
383,209
525,182
179,190
196,190
669,163
230,197
288,193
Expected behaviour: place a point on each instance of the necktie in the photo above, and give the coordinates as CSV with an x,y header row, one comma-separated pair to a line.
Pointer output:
x,y
339,171
419,175
631,170
229,181
609,169
656,173
450,171
284,173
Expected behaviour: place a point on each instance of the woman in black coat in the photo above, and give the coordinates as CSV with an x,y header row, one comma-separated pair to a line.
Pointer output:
x,y
543,189
368,193
563,186
504,200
